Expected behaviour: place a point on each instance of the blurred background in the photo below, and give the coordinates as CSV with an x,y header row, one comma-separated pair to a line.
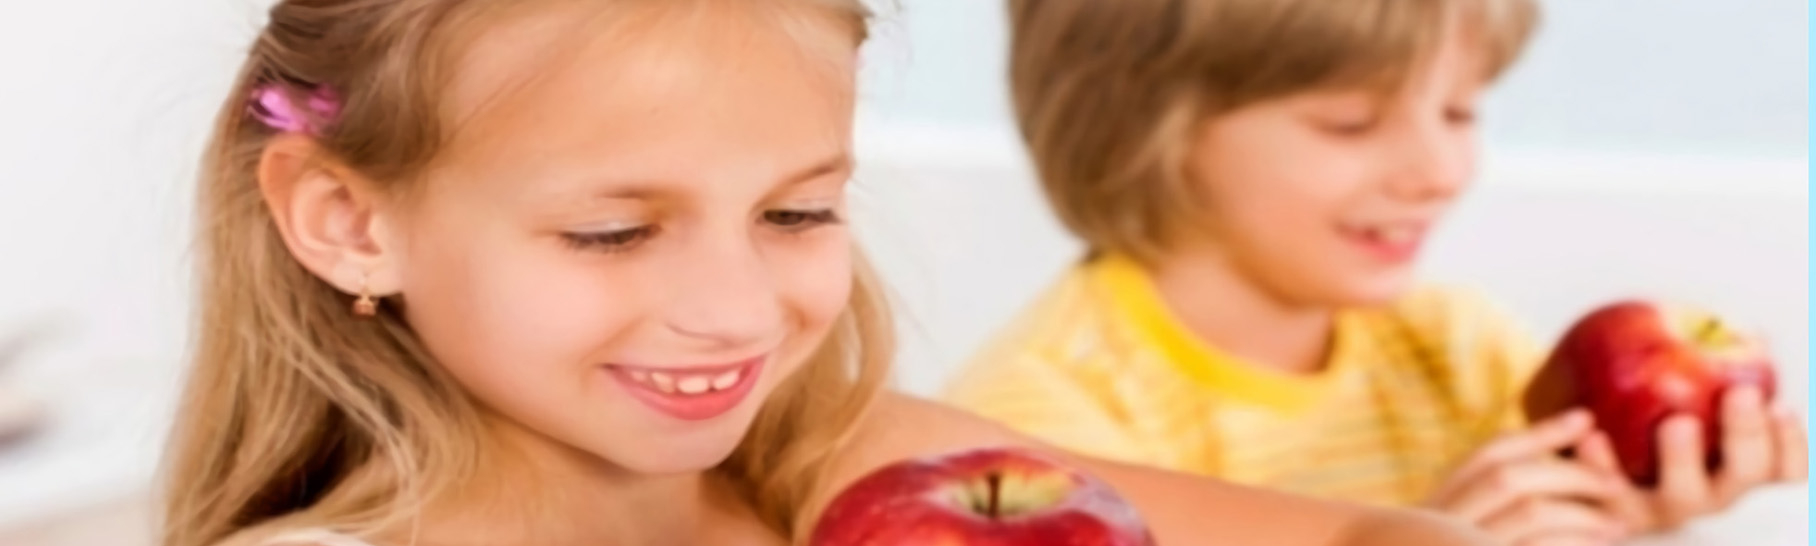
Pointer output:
x,y
1643,147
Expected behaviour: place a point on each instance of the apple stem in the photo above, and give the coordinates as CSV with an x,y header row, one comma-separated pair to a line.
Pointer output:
x,y
995,499
1709,330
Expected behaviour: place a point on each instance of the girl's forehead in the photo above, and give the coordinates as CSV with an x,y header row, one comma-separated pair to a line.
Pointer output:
x,y
525,56
658,99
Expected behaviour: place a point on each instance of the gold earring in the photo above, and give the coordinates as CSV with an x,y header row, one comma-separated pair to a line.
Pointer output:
x,y
365,306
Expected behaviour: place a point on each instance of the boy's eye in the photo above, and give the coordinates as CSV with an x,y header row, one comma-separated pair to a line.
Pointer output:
x,y
1346,125
800,219
609,241
1343,114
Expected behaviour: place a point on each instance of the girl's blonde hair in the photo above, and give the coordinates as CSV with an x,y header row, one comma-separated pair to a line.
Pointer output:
x,y
1108,93
298,414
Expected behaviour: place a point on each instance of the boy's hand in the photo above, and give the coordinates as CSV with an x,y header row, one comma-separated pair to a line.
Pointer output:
x,y
1759,447
1518,490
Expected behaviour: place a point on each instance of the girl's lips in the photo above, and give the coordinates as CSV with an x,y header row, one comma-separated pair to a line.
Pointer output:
x,y
693,393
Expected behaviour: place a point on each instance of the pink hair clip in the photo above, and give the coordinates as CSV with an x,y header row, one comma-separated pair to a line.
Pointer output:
x,y
273,108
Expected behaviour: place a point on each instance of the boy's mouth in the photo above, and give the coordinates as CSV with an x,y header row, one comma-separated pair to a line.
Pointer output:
x,y
1390,242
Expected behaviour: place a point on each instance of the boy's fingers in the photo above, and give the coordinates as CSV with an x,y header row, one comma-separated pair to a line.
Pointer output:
x,y
1747,444
1541,521
1627,502
1544,438
1683,486
1793,448
1508,485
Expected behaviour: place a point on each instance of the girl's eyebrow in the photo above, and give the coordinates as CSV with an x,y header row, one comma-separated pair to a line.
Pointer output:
x,y
648,190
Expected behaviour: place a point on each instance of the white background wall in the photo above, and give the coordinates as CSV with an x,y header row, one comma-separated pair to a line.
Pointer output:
x,y
1657,76
1645,146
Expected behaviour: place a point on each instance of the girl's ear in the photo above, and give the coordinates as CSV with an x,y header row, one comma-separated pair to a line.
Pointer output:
x,y
331,218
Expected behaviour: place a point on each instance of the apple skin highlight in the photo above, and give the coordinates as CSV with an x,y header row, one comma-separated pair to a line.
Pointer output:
x,y
981,497
1634,363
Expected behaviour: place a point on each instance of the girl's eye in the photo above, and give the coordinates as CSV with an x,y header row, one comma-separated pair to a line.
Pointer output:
x,y
609,241
799,220
1460,116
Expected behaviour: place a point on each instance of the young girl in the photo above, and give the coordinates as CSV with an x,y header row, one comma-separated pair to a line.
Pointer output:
x,y
1254,181
568,272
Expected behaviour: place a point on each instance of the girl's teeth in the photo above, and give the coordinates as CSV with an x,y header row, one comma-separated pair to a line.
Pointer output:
x,y
664,382
726,380
668,383
695,385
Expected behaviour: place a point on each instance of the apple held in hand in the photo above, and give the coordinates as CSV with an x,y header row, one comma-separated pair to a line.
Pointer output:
x,y
984,497
1633,363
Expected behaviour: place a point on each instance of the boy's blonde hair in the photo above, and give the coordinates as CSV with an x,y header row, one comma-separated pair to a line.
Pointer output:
x,y
1108,93
298,414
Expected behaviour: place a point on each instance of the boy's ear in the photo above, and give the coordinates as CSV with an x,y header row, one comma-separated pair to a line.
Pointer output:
x,y
330,217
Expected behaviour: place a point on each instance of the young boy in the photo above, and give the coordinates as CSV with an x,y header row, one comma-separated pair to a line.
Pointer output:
x,y
1254,180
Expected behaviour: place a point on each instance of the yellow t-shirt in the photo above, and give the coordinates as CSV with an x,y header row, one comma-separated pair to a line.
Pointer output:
x,y
1099,365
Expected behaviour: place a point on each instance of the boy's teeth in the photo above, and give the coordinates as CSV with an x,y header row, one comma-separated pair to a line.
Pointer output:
x,y
694,385
1397,234
664,382
726,380
640,376
1389,234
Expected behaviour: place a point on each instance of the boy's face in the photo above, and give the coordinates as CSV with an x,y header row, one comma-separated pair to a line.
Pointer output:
x,y
1326,197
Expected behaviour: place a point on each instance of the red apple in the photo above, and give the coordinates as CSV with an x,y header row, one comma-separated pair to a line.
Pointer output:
x,y
983,497
1635,362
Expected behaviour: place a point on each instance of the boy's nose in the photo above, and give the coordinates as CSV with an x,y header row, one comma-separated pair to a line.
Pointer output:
x,y
1435,166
